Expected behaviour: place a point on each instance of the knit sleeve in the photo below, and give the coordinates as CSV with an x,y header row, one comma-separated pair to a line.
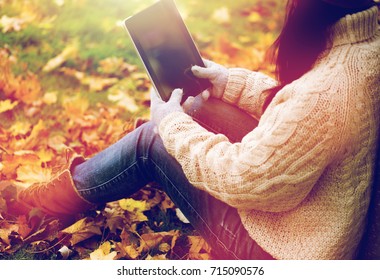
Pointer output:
x,y
274,167
247,90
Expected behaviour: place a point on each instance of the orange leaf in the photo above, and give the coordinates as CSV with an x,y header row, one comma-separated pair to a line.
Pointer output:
x,y
30,174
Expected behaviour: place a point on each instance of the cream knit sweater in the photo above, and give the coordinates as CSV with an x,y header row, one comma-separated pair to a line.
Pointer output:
x,y
301,179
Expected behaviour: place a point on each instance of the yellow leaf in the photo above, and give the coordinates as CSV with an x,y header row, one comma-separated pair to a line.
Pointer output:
x,y
132,205
45,155
82,230
7,105
54,63
254,17
30,174
103,252
20,128
50,98
99,254
57,142
125,101
34,138
98,83
75,106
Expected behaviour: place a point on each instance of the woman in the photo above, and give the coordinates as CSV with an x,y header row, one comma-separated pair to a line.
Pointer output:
x,y
296,186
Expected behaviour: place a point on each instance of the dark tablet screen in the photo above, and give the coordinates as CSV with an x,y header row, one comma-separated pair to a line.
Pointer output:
x,y
166,49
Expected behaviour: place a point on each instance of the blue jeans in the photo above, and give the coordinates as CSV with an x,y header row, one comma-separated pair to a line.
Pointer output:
x,y
140,157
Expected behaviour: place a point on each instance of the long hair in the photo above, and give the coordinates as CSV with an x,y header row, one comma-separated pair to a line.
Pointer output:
x,y
303,38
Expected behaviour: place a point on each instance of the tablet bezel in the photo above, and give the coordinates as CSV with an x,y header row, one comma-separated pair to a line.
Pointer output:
x,y
130,25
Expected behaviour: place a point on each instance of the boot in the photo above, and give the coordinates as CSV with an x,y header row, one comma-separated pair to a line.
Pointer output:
x,y
58,197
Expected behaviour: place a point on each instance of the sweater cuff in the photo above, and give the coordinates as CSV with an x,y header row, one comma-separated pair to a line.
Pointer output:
x,y
236,83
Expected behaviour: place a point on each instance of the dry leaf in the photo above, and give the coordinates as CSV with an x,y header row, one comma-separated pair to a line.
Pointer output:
x,y
50,98
199,250
123,100
68,52
103,252
20,128
30,174
135,209
75,106
82,230
7,105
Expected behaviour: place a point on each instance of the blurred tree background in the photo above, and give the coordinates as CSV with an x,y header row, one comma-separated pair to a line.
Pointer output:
x,y
70,78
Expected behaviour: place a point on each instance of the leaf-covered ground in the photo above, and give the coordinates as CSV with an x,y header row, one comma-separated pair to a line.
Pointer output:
x,y
70,79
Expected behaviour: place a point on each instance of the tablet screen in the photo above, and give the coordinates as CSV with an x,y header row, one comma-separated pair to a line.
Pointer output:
x,y
166,49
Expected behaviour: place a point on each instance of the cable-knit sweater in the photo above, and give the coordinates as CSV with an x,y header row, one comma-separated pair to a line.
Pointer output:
x,y
301,179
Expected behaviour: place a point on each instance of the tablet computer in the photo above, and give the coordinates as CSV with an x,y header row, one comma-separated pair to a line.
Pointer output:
x,y
166,49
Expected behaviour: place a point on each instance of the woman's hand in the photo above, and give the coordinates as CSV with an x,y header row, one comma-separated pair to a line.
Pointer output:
x,y
216,74
159,108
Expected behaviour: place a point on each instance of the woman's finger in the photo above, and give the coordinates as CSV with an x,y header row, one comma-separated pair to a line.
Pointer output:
x,y
205,95
176,96
188,103
202,72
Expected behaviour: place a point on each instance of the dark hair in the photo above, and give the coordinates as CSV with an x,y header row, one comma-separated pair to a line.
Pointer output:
x,y
302,39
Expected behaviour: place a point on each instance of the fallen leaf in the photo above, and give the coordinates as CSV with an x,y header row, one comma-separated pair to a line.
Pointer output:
x,y
20,128
50,98
68,52
30,174
135,208
199,250
82,230
103,252
122,99
75,106
7,105
254,17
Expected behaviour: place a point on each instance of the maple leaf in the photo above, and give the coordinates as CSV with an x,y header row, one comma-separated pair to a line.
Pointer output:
x,y
34,138
82,230
115,218
152,240
115,66
95,83
24,88
123,100
20,128
135,208
75,106
7,105
103,252
30,174
12,161
199,250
